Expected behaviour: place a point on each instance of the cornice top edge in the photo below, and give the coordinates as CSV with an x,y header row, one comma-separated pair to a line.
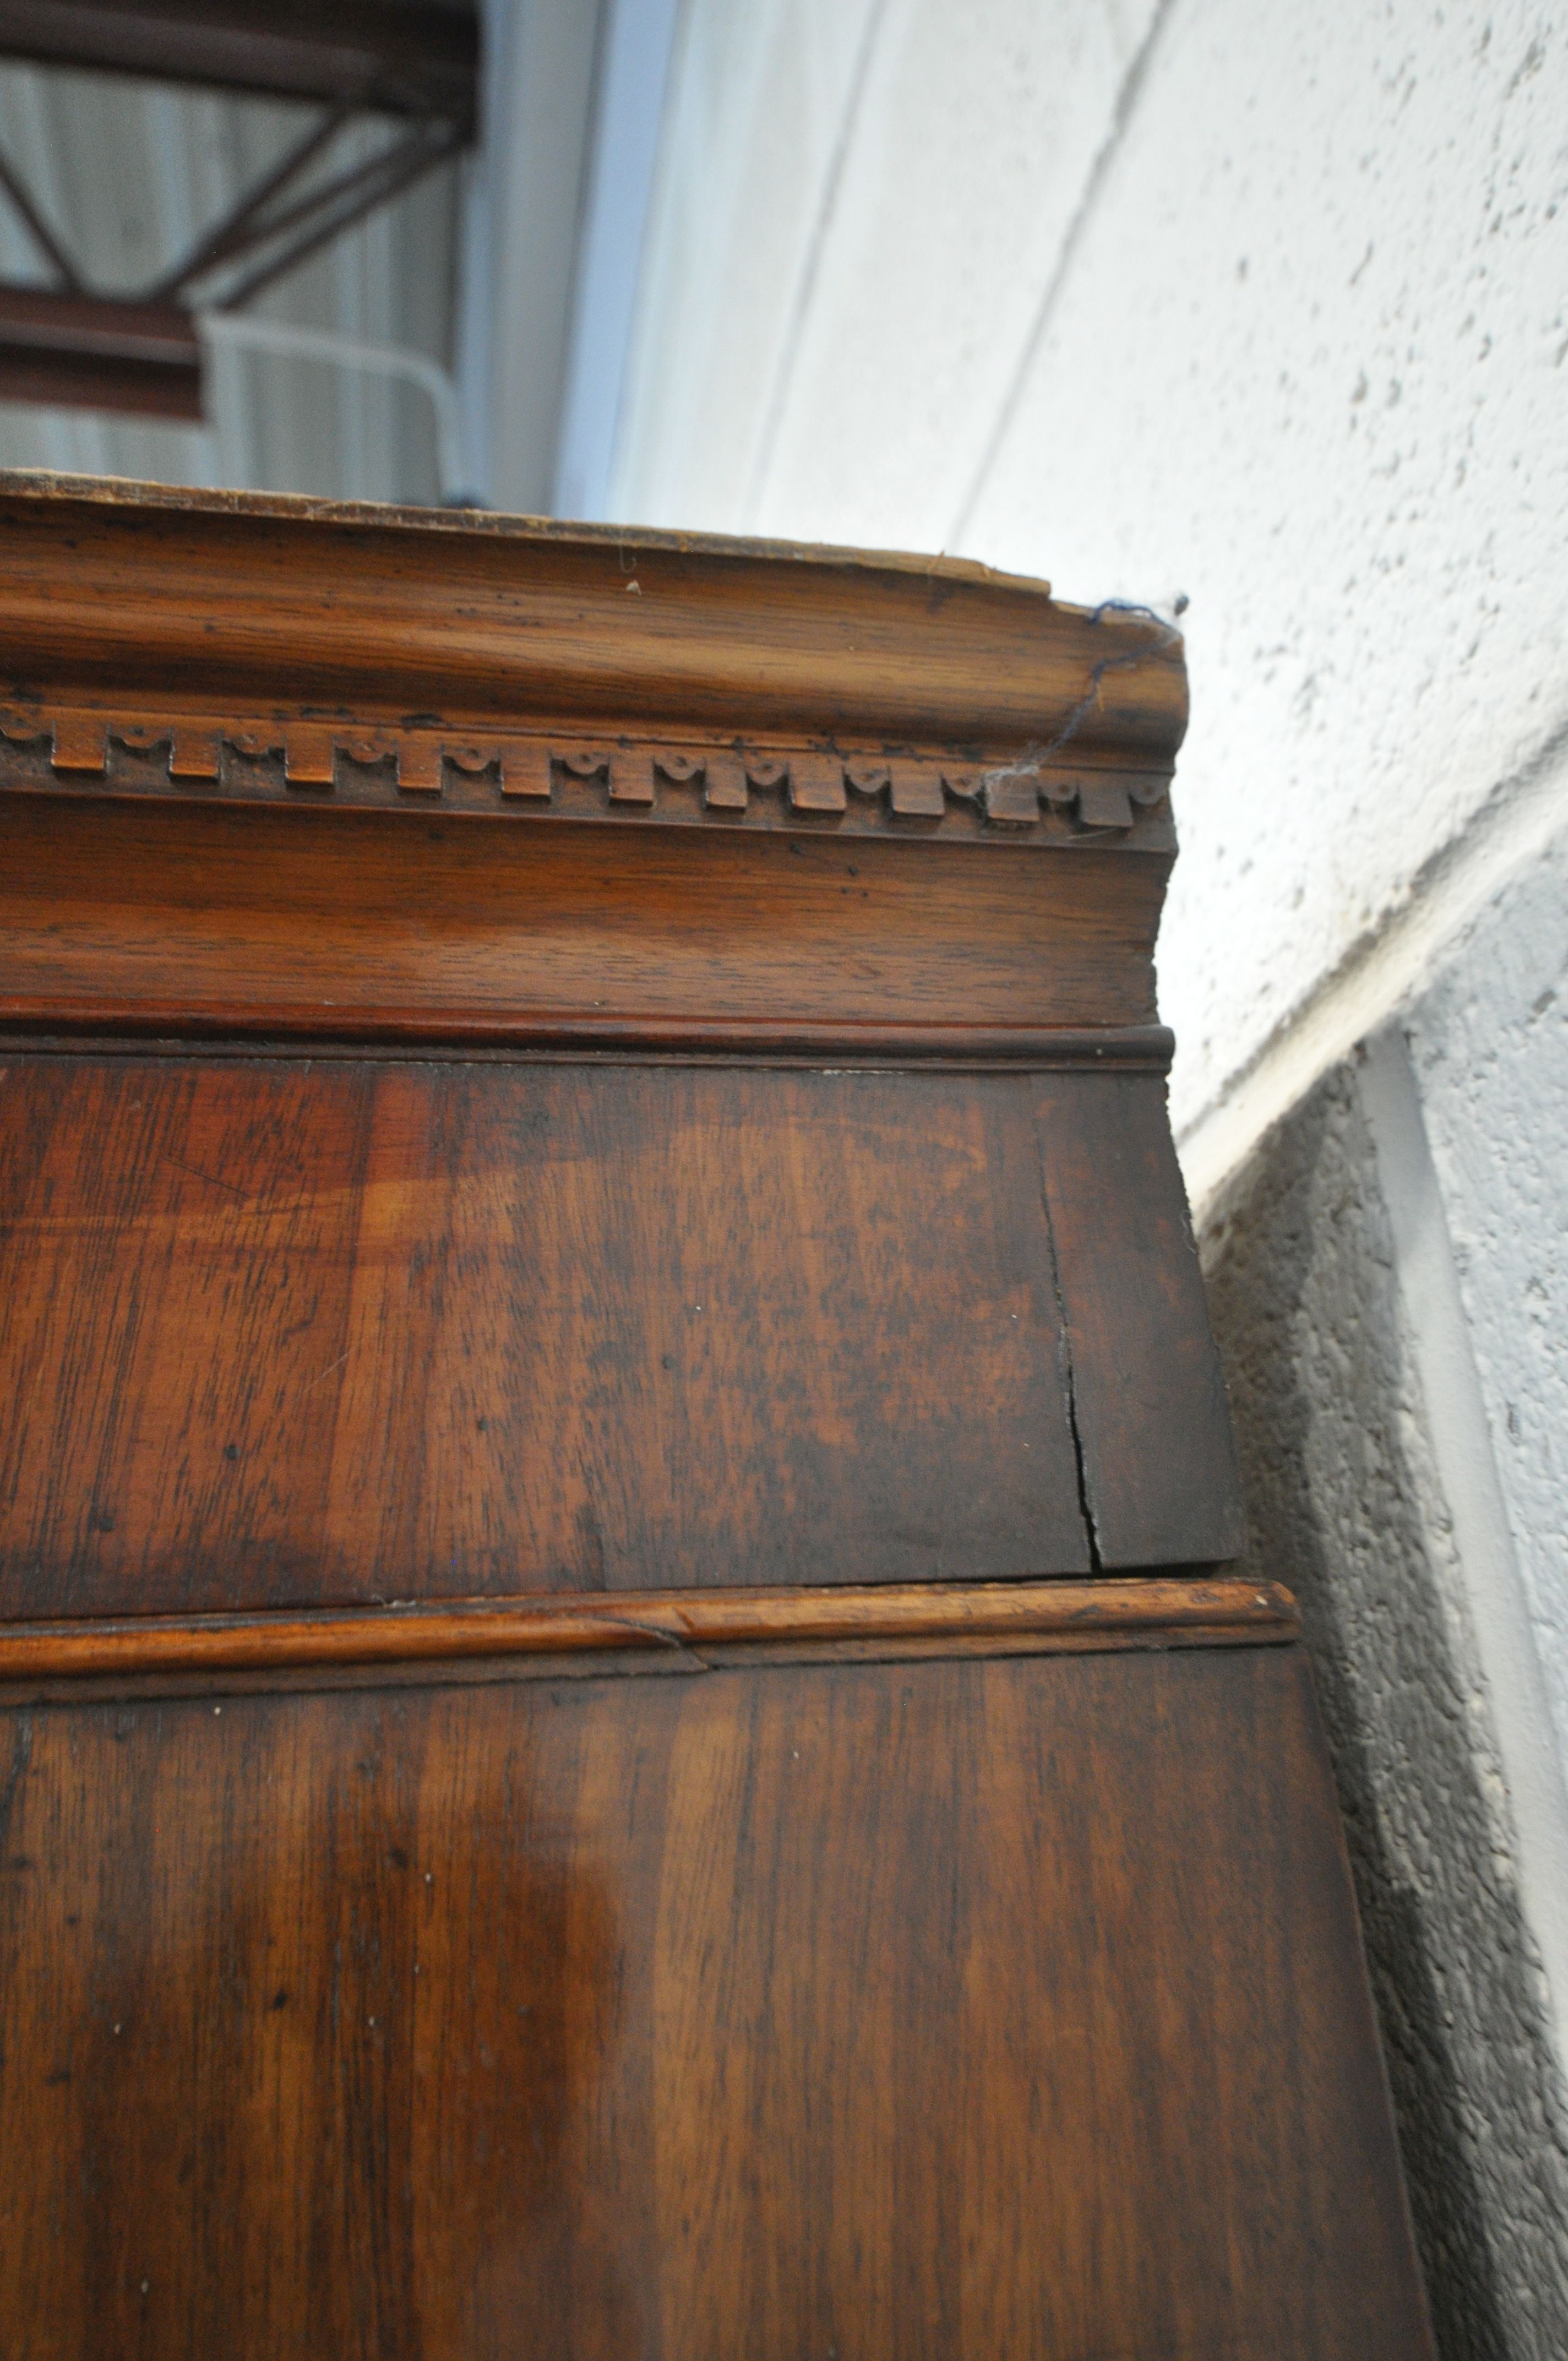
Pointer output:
x,y
51,485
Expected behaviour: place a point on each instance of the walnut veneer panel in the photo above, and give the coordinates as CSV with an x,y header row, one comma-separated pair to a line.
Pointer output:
x,y
1160,1479
942,2011
281,1331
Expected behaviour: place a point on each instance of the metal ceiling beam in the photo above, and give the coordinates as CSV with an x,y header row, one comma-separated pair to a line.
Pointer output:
x,y
416,59
220,242
327,213
97,352
401,57
66,273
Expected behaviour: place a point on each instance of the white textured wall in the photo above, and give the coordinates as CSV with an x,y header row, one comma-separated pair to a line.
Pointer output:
x,y
1489,1042
1268,306
860,203
1265,307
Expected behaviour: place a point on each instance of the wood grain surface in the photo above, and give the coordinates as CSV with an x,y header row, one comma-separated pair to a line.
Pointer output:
x,y
345,923
920,2013
277,1331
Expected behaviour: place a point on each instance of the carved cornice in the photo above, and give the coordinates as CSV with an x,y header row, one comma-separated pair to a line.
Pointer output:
x,y
302,759
248,618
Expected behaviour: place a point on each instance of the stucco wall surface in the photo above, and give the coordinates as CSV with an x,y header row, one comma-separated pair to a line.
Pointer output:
x,y
1347,1506
1266,307
1406,1476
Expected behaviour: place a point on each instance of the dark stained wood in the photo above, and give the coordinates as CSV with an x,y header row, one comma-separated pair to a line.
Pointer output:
x,y
277,1333
955,2011
353,923
1160,1478
991,1617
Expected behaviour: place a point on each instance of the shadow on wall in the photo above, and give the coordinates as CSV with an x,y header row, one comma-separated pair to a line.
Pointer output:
x,y
1346,1506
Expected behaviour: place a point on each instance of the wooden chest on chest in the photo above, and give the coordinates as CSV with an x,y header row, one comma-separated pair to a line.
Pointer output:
x,y
631,1721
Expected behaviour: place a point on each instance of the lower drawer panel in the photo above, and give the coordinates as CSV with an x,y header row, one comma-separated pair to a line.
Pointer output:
x,y
926,2011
